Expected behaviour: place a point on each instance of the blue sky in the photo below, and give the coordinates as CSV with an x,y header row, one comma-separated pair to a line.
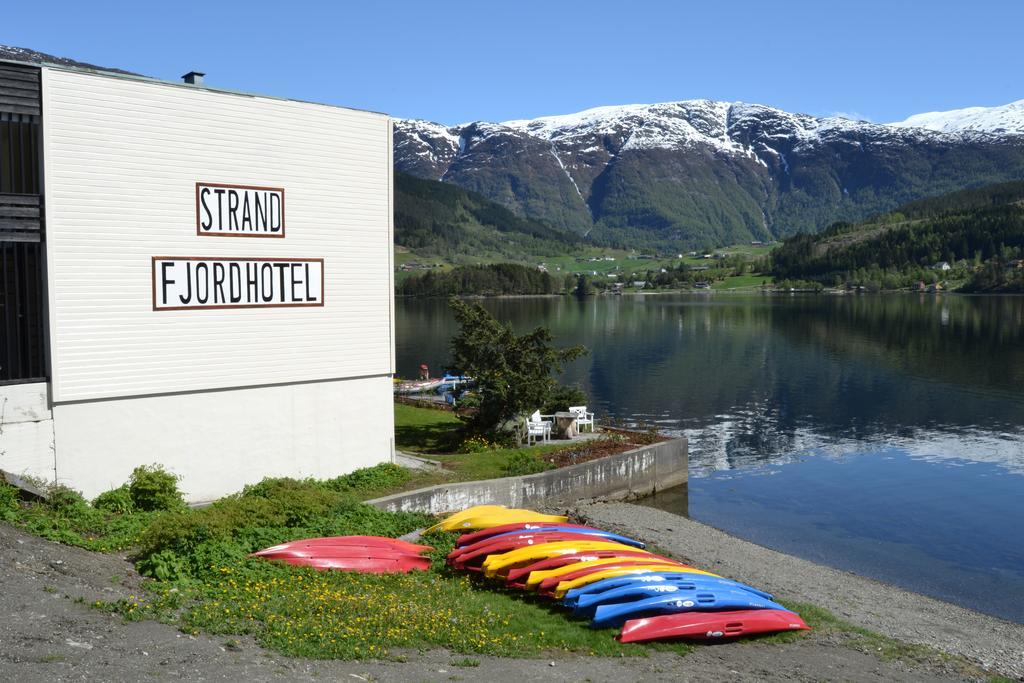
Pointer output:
x,y
460,61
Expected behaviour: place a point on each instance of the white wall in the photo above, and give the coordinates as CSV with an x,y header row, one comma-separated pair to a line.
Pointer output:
x,y
26,431
219,441
122,156
221,397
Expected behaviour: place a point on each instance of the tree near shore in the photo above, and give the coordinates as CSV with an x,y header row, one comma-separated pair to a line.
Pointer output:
x,y
514,373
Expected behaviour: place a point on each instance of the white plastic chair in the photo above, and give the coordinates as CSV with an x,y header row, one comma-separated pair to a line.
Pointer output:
x,y
536,426
583,418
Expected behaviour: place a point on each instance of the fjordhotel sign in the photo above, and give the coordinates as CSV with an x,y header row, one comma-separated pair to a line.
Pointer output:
x,y
190,282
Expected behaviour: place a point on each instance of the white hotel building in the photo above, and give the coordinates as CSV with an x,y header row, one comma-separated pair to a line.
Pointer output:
x,y
192,277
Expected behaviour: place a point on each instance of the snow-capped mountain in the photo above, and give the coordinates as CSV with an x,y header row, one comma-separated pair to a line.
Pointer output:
x,y
700,171
1006,120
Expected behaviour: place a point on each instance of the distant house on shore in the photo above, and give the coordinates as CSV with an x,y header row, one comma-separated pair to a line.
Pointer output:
x,y
943,266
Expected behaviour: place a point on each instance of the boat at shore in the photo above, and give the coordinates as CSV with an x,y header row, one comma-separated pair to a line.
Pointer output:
x,y
677,599
418,386
439,384
710,625
366,554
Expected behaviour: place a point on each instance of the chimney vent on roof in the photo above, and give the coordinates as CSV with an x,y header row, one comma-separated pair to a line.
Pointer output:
x,y
194,77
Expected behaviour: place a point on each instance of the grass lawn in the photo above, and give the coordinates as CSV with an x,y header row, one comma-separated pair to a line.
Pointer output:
x,y
422,430
488,464
431,434
742,281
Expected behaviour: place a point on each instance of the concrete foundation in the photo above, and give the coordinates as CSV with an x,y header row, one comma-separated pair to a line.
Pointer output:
x,y
26,431
216,441
628,475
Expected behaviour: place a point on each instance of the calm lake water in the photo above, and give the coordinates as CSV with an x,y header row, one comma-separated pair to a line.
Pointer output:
x,y
879,434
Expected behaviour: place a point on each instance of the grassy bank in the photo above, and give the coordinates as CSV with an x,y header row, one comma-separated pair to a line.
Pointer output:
x,y
202,579
598,263
204,582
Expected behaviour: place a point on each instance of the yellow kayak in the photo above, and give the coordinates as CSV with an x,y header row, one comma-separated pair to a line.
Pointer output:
x,y
536,577
494,564
487,516
566,586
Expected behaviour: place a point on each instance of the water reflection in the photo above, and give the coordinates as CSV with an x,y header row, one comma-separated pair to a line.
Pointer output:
x,y
755,379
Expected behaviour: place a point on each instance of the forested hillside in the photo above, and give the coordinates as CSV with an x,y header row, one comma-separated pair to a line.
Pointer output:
x,y
439,219
488,280
979,233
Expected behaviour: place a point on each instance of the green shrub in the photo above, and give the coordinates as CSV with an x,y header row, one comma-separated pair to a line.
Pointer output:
x,y
192,542
383,476
272,486
562,397
154,488
8,502
525,463
65,517
117,501
66,501
165,565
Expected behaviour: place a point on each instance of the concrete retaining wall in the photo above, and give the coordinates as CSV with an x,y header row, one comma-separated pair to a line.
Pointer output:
x,y
632,474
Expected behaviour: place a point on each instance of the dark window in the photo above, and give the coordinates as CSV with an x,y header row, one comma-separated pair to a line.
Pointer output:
x,y
22,351
19,154
22,254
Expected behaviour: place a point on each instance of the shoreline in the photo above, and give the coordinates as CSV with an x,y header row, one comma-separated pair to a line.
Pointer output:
x,y
988,641
706,292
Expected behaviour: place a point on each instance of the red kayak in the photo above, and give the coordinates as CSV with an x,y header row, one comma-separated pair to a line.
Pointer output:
x,y
467,539
473,559
550,584
498,541
363,562
517,577
711,625
384,542
369,554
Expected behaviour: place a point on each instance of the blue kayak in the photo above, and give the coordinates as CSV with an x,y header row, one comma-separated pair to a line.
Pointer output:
x,y
586,605
606,535
674,603
638,590
574,595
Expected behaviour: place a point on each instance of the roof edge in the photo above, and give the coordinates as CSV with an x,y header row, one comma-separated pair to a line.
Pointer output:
x,y
127,75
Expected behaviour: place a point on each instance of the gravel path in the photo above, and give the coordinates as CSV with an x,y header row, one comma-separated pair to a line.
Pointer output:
x,y
993,643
